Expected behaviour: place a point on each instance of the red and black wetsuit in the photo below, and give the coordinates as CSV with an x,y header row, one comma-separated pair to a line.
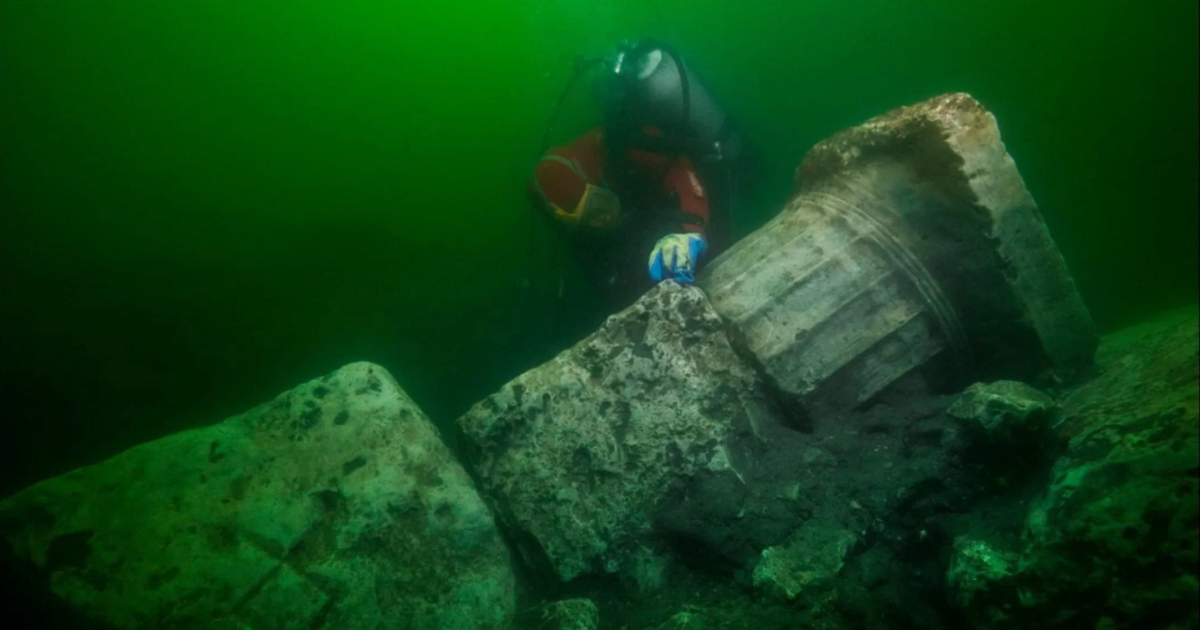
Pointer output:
x,y
659,193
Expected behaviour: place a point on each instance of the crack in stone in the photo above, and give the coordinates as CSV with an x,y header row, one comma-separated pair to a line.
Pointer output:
x,y
256,589
332,596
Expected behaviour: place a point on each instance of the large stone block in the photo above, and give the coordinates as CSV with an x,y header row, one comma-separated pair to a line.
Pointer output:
x,y
575,454
336,505
912,246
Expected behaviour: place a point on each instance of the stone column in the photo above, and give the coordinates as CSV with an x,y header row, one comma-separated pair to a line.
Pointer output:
x,y
912,248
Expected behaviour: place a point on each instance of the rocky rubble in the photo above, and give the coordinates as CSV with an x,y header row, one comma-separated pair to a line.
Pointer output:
x,y
870,494
1112,542
1102,536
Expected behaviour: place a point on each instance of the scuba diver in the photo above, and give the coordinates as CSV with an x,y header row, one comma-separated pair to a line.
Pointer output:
x,y
648,195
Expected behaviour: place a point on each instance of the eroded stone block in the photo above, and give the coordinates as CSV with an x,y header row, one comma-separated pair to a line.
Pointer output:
x,y
336,505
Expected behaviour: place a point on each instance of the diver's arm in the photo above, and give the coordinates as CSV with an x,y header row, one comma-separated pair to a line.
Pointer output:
x,y
566,184
683,181
676,256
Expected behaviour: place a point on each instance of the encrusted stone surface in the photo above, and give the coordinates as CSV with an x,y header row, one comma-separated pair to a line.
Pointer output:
x,y
976,567
805,563
1121,516
944,169
567,614
336,505
575,454
912,248
686,621
1003,411
1112,543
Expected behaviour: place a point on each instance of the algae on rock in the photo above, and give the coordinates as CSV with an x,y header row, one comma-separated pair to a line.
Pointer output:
x,y
805,564
1112,542
334,506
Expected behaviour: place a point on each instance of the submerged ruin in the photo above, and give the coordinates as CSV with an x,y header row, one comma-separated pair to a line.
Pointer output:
x,y
883,409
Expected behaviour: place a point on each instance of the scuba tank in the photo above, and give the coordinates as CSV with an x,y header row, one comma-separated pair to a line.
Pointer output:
x,y
650,84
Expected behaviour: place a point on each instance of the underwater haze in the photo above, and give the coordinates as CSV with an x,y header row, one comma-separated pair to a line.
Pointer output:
x,y
205,202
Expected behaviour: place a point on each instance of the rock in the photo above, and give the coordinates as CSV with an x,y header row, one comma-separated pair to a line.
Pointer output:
x,y
567,614
806,563
1120,517
890,586
1005,411
976,570
1008,428
1112,543
646,570
913,249
742,610
817,456
686,620
1147,370
574,455
336,505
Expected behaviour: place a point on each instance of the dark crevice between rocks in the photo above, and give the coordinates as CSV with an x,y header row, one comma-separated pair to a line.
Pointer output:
x,y
537,579
536,575
701,521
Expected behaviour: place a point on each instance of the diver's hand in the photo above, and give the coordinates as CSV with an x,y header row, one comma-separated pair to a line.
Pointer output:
x,y
675,257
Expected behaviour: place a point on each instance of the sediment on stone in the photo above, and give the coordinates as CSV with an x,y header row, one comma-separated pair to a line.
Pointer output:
x,y
575,454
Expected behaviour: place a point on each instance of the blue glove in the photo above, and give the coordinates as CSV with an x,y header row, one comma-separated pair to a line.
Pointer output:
x,y
675,257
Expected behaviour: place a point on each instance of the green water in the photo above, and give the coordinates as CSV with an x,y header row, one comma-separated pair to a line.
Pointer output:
x,y
207,202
